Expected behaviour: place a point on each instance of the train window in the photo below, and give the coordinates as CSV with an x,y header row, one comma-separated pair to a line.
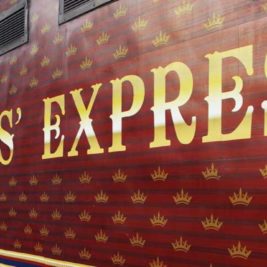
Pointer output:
x,y
14,27
69,9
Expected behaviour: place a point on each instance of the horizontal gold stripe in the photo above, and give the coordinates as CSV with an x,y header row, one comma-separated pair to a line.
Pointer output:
x,y
4,265
38,259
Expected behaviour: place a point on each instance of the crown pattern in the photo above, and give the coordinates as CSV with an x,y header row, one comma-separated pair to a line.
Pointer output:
x,y
57,73
46,28
56,215
70,197
71,51
121,11
44,231
263,227
85,254
86,63
137,240
4,79
240,198
34,18
157,263
85,216
101,236
264,172
13,90
264,7
23,197
28,230
161,39
23,71
38,248
118,218
215,21
211,173
120,52
70,234
34,49
87,26
118,259
181,245
44,197
159,175
12,212
33,214
56,250
182,198
158,220
139,25
212,223
85,178
239,252
17,244
33,180
45,62
58,39
185,8
103,38
13,60
119,177
138,197
33,82
3,197
3,227
101,197
56,180
12,182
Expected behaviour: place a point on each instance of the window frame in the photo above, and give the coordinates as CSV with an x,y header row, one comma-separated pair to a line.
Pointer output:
x,y
23,39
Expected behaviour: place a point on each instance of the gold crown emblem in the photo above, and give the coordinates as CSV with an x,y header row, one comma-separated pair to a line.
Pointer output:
x,y
12,182
44,197
23,197
33,180
56,250
3,197
157,263
159,175
139,24
33,214
101,237
58,39
57,73
13,90
34,49
3,227
38,248
56,215
70,197
28,230
264,172
101,197
263,227
215,21
138,197
181,245
118,259
34,18
185,8
85,216
121,52
23,71
13,60
45,62
46,28
56,180
87,26
137,241
118,218
33,82
71,51
85,254
44,231
17,244
103,38
4,79
212,223
264,7
240,198
239,252
158,220
121,11
182,198
85,178
119,177
161,39
211,173
12,212
70,234
86,64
